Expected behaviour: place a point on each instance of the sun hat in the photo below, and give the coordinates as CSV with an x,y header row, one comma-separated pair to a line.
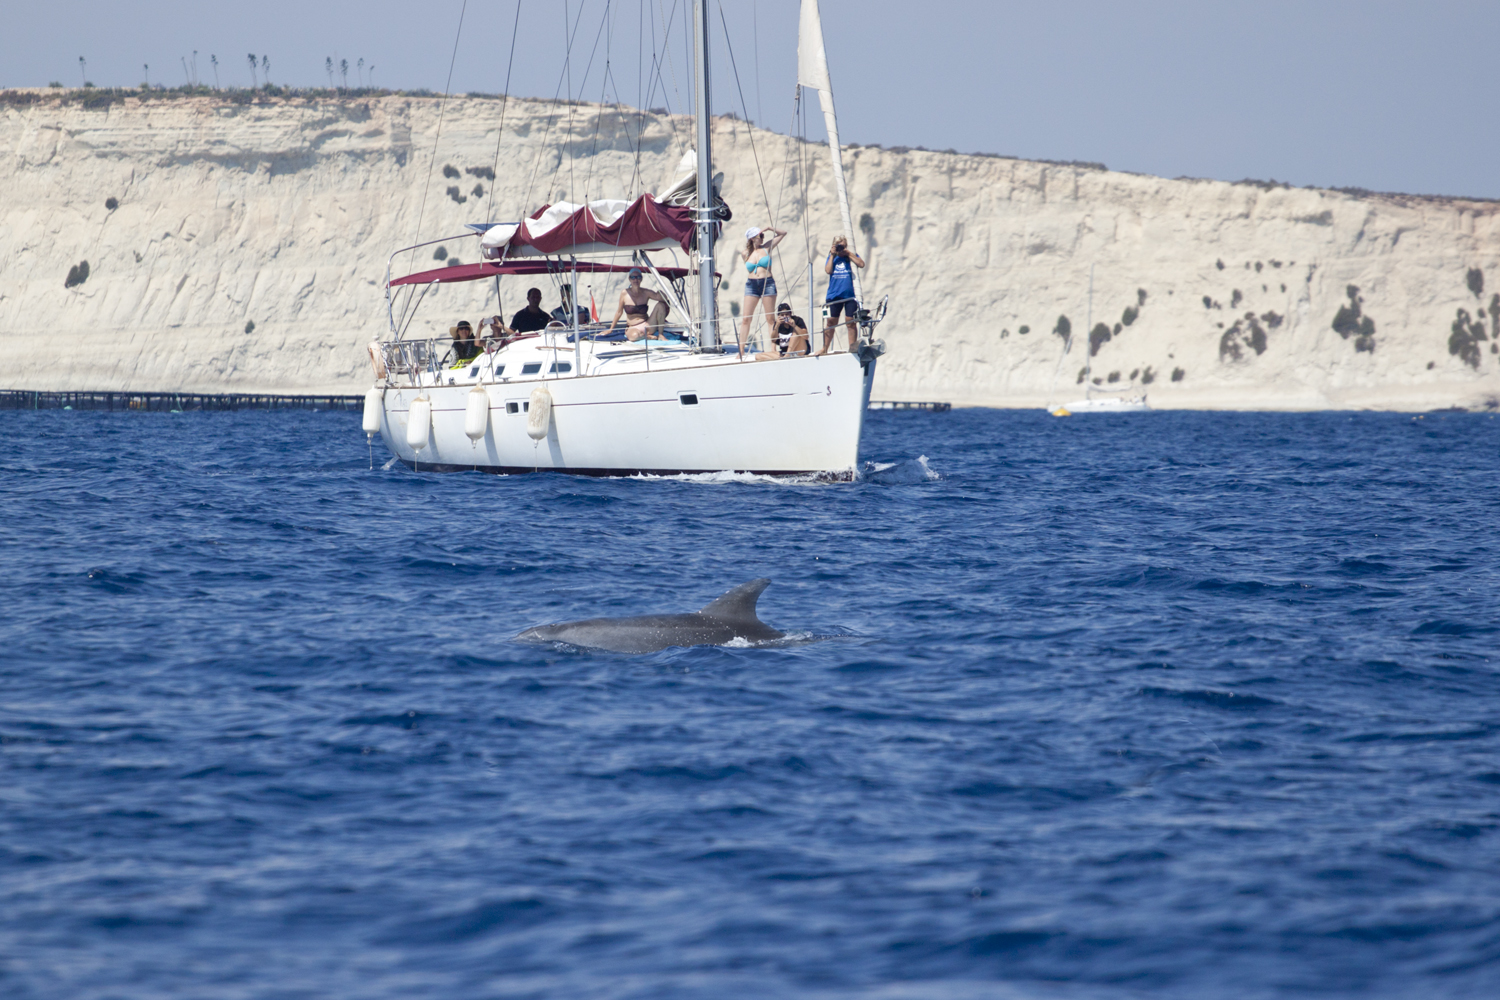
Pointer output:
x,y
751,233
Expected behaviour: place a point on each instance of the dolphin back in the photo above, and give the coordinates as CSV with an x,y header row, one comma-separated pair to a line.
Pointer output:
x,y
738,606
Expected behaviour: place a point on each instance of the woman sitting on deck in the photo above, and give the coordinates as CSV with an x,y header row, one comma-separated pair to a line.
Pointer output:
x,y
635,305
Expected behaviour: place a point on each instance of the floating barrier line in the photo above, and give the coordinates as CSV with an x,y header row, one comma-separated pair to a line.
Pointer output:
x,y
891,404
165,402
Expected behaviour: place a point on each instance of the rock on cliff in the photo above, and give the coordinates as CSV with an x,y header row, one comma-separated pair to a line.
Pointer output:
x,y
240,244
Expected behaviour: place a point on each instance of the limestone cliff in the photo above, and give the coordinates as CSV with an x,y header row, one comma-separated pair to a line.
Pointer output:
x,y
237,244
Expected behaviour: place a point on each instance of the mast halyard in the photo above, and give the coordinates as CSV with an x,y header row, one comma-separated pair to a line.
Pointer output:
x,y
708,331
812,73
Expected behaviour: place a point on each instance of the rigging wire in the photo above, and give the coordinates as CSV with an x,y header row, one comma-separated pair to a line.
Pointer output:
x,y
749,128
542,146
568,70
588,180
442,106
755,34
489,215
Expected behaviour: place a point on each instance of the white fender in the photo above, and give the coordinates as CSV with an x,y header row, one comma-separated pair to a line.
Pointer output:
x,y
477,414
418,423
539,415
377,359
374,407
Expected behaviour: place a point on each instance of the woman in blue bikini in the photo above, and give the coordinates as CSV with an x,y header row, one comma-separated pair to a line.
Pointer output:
x,y
759,286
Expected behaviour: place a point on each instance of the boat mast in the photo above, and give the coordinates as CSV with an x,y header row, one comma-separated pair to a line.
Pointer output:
x,y
1088,342
708,333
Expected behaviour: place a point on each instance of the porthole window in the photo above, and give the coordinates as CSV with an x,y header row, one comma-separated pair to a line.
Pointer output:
x,y
560,366
531,368
687,398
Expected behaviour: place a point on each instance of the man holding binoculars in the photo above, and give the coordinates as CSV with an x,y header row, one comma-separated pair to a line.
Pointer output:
x,y
840,270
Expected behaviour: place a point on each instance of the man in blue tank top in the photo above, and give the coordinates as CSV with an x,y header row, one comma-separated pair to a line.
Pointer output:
x,y
840,267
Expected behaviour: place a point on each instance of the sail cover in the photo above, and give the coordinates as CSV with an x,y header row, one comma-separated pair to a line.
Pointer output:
x,y
493,269
812,71
603,226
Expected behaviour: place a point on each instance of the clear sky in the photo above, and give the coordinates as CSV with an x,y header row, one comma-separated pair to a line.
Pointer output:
x,y
1381,94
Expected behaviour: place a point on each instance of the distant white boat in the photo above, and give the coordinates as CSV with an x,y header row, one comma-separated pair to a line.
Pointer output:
x,y
1106,400
1104,404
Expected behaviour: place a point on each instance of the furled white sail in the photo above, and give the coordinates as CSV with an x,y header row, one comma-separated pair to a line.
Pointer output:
x,y
812,71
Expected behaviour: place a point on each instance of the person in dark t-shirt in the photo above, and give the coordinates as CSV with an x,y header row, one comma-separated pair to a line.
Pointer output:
x,y
533,317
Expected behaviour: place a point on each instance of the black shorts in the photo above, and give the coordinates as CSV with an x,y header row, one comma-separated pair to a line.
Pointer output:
x,y
847,306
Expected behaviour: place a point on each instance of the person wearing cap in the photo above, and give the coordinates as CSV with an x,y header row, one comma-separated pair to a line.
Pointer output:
x,y
760,286
642,319
464,347
533,317
560,314
792,338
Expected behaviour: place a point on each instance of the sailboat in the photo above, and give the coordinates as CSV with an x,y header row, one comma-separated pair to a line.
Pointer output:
x,y
1106,400
575,398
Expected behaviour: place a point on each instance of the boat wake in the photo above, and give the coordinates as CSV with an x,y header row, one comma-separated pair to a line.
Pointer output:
x,y
904,473
716,478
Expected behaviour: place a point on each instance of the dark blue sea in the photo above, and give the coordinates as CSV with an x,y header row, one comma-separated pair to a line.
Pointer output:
x,y
1165,705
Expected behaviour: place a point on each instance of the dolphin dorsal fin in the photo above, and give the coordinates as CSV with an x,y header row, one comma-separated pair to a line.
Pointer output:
x,y
739,603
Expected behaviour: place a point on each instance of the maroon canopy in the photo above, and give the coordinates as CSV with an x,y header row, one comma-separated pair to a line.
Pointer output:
x,y
644,222
533,265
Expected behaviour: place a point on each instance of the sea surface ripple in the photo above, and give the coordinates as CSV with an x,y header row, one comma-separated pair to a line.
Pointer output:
x,y
1161,705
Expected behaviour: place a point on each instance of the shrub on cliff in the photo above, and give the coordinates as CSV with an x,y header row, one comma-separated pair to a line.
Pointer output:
x,y
1464,338
77,275
1098,337
1475,280
1064,329
1350,321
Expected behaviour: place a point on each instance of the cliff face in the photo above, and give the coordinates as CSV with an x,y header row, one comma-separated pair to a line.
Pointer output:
x,y
282,214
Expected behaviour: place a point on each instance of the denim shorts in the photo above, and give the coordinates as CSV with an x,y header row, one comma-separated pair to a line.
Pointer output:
x,y
760,287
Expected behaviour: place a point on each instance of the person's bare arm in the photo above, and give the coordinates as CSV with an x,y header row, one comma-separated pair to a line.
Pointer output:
x,y
828,265
858,260
771,244
619,311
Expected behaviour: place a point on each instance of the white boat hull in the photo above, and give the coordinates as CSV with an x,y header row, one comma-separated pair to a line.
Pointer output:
x,y
786,417
1130,404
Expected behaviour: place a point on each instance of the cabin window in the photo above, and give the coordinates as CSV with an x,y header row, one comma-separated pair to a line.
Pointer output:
x,y
560,366
499,370
687,398
517,406
473,371
531,368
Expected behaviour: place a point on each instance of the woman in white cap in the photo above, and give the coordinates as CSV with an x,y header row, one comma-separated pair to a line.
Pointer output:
x,y
759,286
